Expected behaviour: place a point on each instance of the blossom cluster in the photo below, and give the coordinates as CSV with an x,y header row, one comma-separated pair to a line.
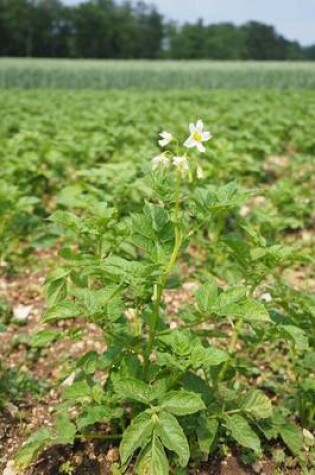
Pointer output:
x,y
181,163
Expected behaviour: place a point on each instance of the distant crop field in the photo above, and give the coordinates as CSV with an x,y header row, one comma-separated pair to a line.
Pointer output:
x,y
151,75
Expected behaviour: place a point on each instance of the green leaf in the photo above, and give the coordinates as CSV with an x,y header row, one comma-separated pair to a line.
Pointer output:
x,y
61,311
233,303
308,361
56,291
292,437
143,226
181,403
94,414
134,389
116,266
242,432
78,391
308,386
152,460
250,310
205,357
160,387
268,428
130,368
158,215
97,393
56,285
231,296
195,383
172,436
171,361
206,431
89,362
32,447
69,220
206,296
136,435
44,338
114,308
65,429
296,334
179,341
257,404
106,300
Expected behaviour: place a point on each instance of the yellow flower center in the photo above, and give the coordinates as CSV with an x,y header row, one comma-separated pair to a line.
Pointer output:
x,y
197,136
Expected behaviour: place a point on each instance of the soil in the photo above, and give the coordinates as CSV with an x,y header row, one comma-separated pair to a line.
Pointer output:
x,y
52,365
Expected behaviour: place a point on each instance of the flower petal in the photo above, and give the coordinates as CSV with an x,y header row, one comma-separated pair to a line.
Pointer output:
x,y
163,142
200,147
181,164
192,128
206,136
190,142
166,138
199,126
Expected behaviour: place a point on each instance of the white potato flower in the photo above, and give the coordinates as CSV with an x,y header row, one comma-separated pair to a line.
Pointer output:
x,y
181,164
197,136
160,161
166,138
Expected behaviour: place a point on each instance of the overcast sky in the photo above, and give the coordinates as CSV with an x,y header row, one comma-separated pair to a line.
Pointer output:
x,y
295,19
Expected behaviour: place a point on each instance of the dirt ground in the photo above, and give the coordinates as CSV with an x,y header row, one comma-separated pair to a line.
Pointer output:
x,y
19,419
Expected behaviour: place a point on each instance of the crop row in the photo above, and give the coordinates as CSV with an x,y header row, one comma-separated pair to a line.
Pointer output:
x,y
161,75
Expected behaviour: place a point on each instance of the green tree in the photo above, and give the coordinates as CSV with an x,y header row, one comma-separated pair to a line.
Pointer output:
x,y
111,29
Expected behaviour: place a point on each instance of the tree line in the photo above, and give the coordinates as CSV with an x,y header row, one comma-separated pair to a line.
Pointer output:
x,y
106,29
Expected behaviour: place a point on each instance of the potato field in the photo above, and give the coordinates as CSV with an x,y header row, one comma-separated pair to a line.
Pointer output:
x,y
157,278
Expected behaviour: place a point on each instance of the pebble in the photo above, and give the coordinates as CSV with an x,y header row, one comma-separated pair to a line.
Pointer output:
x,y
257,468
22,312
112,455
9,469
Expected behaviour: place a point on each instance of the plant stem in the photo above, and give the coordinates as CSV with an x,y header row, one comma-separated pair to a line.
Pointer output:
x,y
96,435
177,232
177,245
159,287
188,325
235,334
155,315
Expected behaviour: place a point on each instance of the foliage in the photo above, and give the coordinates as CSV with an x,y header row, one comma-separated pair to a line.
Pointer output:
x,y
78,156
173,392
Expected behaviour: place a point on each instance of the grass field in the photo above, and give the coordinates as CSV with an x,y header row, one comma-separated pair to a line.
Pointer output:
x,y
89,74
179,300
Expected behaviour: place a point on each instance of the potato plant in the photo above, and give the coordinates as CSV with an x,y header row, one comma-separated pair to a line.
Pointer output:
x,y
171,387
15,218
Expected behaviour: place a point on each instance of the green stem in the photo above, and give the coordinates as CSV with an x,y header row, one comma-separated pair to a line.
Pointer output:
x,y
188,325
155,315
159,287
232,346
221,414
177,232
96,435
177,245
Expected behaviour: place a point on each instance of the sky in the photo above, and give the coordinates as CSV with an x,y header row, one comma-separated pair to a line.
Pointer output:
x,y
294,19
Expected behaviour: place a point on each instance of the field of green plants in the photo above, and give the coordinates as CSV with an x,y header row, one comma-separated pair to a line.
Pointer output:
x,y
157,301
162,75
